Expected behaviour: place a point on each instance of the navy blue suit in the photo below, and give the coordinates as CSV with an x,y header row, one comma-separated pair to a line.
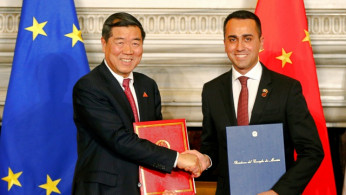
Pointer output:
x,y
285,104
109,152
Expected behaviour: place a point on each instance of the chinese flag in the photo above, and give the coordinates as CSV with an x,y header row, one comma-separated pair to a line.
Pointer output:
x,y
287,50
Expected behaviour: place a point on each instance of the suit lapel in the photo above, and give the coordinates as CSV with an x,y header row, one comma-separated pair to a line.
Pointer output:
x,y
262,97
116,90
141,98
227,98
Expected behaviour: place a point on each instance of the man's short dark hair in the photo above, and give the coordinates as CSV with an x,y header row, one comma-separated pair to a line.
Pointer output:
x,y
120,19
243,14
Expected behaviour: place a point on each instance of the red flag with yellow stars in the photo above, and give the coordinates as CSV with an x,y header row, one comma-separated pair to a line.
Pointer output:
x,y
287,50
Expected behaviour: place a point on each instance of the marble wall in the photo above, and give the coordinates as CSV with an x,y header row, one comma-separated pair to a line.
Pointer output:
x,y
184,48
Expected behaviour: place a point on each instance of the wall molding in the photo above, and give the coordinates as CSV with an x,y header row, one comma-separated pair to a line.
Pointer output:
x,y
184,49
183,23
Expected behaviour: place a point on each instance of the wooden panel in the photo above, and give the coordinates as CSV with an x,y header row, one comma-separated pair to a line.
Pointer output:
x,y
205,188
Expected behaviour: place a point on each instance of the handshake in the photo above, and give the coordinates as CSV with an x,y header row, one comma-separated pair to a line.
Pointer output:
x,y
194,162
191,161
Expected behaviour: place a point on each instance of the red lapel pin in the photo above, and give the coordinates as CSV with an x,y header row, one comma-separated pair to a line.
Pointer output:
x,y
145,94
264,92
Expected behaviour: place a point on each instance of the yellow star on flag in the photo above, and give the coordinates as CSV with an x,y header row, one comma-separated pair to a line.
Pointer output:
x,y
36,28
12,178
285,57
307,37
75,35
50,186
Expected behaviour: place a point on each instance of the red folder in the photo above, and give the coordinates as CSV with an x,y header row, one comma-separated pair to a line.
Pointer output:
x,y
171,134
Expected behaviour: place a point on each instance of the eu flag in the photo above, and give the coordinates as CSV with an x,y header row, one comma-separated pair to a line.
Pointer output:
x,y
38,137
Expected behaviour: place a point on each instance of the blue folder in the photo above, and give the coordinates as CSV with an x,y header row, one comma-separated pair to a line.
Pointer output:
x,y
256,157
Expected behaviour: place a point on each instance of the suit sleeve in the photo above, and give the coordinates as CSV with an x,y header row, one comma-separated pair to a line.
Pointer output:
x,y
103,119
209,143
303,133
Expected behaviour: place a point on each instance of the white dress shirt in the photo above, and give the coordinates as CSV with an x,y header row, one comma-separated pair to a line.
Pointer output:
x,y
252,84
120,79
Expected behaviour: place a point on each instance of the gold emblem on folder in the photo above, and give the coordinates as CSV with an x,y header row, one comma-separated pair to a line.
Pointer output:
x,y
163,143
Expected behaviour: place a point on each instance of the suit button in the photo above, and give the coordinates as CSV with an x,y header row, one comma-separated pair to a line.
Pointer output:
x,y
139,184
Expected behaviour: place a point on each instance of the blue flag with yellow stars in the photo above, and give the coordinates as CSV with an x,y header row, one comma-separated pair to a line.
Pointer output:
x,y
38,137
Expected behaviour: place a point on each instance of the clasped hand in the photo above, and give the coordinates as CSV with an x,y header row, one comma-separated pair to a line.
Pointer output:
x,y
193,161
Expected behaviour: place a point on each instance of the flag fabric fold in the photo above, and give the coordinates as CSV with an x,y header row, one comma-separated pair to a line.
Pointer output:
x,y
38,136
287,50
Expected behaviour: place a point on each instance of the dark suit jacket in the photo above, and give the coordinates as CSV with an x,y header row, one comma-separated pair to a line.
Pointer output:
x,y
285,104
109,152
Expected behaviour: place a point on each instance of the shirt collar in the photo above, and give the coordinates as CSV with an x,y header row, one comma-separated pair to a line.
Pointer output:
x,y
118,77
255,73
